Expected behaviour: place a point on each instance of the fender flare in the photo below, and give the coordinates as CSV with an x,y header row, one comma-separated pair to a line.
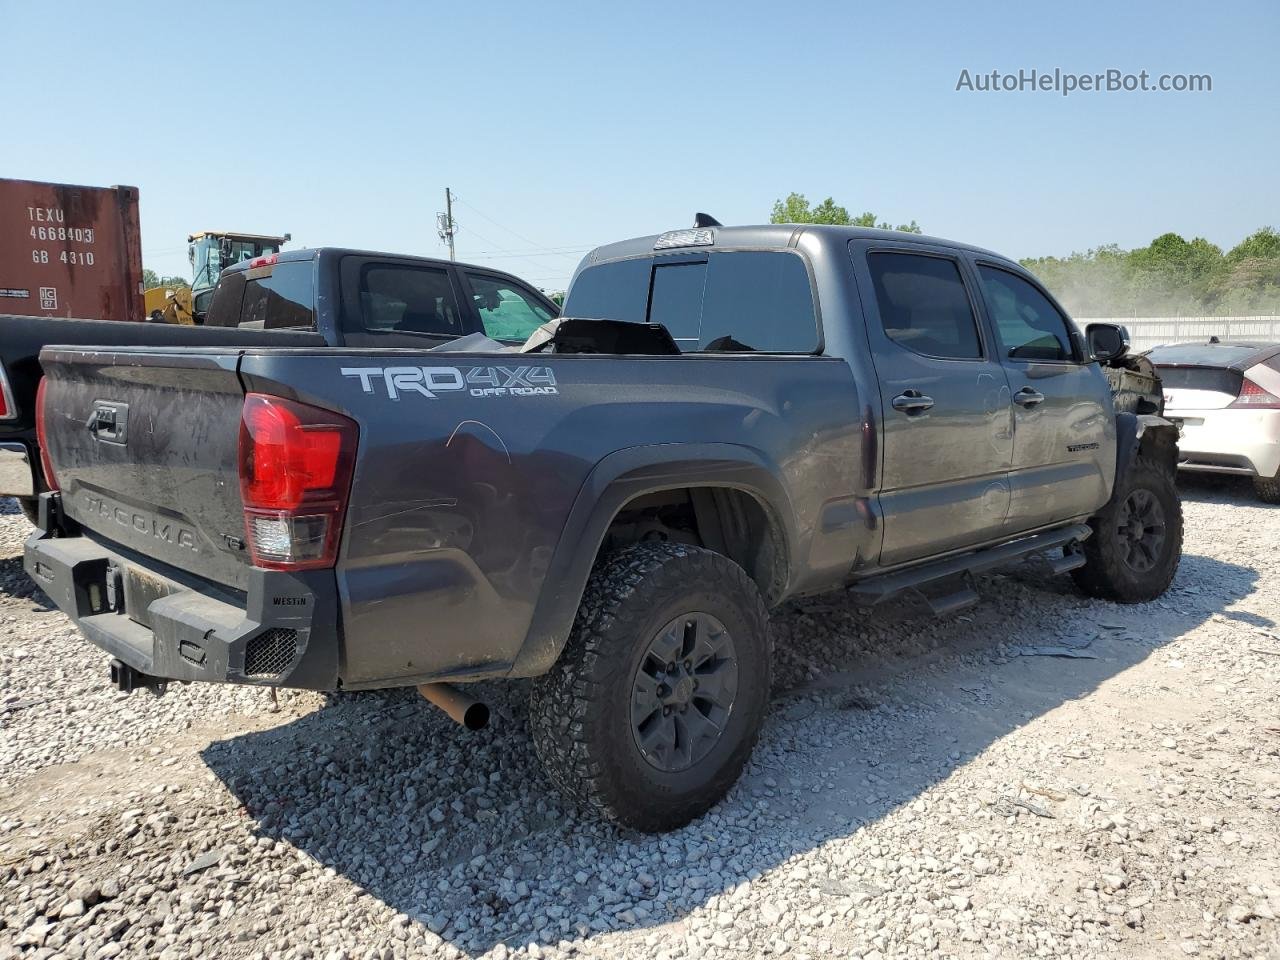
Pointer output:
x,y
1143,433
612,483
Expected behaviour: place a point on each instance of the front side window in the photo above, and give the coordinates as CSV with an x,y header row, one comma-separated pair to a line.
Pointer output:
x,y
924,306
405,299
506,312
1028,326
283,299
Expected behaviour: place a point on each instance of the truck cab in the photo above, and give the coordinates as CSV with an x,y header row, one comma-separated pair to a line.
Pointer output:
x,y
212,251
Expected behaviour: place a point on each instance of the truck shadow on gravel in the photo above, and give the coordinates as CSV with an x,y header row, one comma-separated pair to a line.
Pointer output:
x,y
464,835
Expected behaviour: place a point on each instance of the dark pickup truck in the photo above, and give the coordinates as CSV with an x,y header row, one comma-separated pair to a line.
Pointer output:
x,y
322,297
748,414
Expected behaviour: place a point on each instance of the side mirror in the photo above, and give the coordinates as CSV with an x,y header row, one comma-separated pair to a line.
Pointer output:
x,y
1107,341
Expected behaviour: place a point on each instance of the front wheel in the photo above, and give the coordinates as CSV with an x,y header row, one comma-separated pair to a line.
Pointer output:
x,y
657,699
1137,538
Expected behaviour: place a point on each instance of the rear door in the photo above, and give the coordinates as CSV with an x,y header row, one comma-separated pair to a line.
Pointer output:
x,y
144,446
948,437
388,302
1063,421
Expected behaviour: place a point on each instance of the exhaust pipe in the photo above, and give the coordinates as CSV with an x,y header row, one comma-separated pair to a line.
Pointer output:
x,y
468,711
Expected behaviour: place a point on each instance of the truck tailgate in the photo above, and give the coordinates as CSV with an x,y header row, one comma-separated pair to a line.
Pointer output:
x,y
144,446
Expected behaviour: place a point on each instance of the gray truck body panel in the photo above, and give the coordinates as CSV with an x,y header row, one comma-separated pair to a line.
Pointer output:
x,y
485,482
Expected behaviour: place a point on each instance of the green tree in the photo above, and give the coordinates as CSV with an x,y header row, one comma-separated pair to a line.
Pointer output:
x,y
151,279
1262,244
796,209
1171,275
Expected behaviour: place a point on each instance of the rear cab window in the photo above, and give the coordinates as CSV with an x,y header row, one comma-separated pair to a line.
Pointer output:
x,y
734,301
278,296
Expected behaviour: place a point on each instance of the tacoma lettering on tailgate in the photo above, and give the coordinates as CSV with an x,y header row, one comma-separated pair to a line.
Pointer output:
x,y
149,524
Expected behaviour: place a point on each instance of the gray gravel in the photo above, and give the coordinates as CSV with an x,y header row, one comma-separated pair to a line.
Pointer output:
x,y
922,788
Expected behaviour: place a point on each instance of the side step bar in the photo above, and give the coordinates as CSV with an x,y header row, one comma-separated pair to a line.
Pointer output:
x,y
878,589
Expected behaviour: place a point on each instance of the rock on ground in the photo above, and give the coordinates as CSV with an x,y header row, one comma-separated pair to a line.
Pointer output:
x,y
922,788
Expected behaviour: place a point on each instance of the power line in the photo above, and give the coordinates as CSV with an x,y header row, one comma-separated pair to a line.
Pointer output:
x,y
524,257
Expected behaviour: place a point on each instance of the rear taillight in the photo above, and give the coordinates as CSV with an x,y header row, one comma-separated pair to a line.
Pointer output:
x,y
1252,395
296,463
7,410
42,437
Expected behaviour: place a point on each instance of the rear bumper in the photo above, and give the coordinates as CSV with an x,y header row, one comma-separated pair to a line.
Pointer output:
x,y
1239,441
163,623
17,477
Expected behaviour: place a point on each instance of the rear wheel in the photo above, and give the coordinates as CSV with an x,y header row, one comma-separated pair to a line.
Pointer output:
x,y
1137,538
1267,488
657,700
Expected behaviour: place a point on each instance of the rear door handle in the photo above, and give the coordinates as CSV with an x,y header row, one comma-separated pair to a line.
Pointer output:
x,y
1026,397
912,401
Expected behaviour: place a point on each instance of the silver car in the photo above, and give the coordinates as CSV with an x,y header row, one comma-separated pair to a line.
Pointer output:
x,y
1225,397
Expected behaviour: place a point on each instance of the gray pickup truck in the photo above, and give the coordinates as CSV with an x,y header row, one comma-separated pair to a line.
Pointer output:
x,y
740,415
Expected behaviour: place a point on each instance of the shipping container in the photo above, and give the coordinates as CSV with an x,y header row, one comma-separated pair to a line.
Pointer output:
x,y
70,251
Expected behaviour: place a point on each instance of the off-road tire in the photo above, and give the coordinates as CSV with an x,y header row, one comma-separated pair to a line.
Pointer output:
x,y
1105,573
30,508
580,711
1267,488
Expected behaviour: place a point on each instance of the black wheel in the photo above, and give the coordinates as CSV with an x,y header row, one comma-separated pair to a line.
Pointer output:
x,y
655,704
1137,538
30,508
1267,488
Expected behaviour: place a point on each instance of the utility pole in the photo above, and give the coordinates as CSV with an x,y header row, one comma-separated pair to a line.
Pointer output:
x,y
444,221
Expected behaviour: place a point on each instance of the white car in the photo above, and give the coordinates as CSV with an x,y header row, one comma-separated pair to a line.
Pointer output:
x,y
1224,395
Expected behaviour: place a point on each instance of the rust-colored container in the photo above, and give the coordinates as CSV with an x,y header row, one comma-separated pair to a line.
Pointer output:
x,y
69,251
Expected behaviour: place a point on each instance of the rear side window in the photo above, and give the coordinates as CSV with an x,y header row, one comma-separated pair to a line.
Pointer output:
x,y
924,306
404,299
733,301
1028,326
611,291
758,301
283,299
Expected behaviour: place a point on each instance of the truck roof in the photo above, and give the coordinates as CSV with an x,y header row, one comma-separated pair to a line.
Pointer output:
x,y
310,253
772,236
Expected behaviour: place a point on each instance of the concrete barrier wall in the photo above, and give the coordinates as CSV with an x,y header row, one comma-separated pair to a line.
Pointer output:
x,y
1148,332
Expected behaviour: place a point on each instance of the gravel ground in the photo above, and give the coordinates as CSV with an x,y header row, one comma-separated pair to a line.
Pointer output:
x,y
921,788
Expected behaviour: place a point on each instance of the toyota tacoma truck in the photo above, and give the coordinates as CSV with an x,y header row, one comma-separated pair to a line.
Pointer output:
x,y
322,297
732,416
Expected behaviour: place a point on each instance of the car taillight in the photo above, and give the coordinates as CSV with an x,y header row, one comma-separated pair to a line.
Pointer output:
x,y
7,409
42,437
296,462
1252,395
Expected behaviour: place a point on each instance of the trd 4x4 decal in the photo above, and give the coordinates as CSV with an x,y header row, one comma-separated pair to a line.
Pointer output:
x,y
432,381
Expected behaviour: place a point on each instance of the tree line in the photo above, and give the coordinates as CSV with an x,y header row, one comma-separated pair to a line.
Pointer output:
x,y
152,279
1171,276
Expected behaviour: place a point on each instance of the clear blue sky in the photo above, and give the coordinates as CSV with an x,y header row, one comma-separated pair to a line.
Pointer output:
x,y
572,125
